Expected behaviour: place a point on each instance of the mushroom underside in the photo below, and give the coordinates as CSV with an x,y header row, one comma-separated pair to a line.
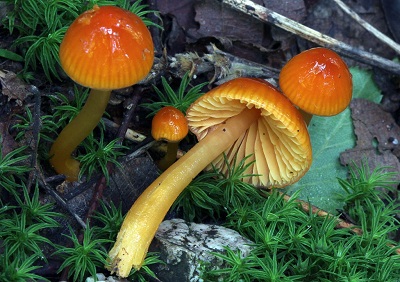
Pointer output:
x,y
275,151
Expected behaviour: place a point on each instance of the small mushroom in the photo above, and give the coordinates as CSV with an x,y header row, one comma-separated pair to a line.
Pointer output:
x,y
105,48
169,124
243,116
318,81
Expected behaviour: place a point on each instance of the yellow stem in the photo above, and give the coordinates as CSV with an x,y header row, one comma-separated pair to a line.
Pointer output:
x,y
146,214
170,156
75,132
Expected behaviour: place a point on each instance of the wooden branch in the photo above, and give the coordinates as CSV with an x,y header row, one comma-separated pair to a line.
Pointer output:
x,y
130,134
340,222
59,199
308,207
265,15
379,35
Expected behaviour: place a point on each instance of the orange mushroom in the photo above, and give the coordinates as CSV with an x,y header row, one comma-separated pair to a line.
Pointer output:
x,y
318,81
105,48
169,124
242,116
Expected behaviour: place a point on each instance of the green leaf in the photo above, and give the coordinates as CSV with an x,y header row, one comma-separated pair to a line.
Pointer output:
x,y
364,85
329,137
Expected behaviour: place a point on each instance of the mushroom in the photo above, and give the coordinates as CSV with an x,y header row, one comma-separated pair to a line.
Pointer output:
x,y
318,81
169,124
105,48
242,116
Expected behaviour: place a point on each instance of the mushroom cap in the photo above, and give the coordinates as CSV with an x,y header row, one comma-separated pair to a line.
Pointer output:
x,y
169,124
318,81
107,48
277,146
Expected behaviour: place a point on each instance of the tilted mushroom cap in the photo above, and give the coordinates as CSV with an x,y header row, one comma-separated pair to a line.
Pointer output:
x,y
169,124
279,143
107,48
318,81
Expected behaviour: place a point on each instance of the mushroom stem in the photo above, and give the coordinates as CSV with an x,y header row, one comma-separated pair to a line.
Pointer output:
x,y
75,132
146,214
170,156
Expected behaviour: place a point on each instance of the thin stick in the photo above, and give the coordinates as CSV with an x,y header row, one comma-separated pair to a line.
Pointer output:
x,y
36,126
142,149
265,15
308,207
340,223
382,37
102,183
133,103
130,134
59,199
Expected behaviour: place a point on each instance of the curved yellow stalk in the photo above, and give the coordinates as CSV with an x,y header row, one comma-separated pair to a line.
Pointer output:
x,y
75,132
146,214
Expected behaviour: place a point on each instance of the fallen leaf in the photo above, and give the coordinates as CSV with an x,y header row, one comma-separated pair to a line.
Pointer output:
x,y
216,20
13,87
7,142
378,137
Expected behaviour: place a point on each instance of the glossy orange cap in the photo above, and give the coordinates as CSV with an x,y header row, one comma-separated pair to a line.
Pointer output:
x,y
318,81
107,48
169,124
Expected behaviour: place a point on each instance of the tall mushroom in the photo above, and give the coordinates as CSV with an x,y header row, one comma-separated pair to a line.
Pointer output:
x,y
318,81
105,48
244,115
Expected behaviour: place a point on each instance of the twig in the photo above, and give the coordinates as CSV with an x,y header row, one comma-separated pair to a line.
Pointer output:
x,y
382,37
132,104
130,134
231,66
36,126
224,65
308,207
340,222
102,183
265,15
140,150
59,199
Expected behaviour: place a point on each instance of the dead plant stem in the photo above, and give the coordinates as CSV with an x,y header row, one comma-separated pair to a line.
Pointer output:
x,y
265,15
379,35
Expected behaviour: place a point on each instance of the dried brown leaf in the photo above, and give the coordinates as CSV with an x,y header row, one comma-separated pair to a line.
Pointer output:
x,y
13,87
378,137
